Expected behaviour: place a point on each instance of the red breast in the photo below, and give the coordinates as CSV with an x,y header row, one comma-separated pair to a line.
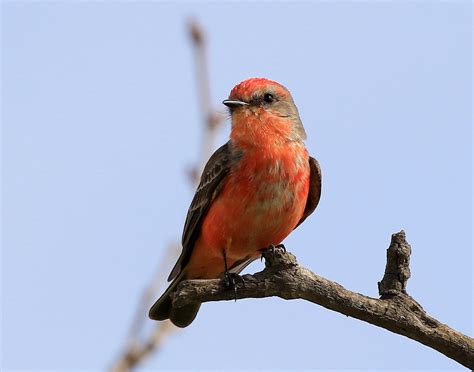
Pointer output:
x,y
260,203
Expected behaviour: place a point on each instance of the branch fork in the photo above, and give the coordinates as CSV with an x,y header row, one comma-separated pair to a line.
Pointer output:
x,y
395,311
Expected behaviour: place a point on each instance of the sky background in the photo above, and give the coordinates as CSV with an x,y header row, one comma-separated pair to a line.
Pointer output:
x,y
101,120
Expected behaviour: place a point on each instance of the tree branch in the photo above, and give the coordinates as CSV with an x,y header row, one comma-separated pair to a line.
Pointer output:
x,y
136,351
395,311
138,348
212,118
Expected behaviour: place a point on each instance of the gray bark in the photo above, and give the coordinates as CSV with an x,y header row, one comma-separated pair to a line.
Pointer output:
x,y
395,311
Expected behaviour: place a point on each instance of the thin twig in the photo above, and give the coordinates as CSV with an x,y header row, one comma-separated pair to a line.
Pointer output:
x,y
149,295
136,350
211,118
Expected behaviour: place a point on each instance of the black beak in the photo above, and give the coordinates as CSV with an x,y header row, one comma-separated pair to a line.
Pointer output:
x,y
233,104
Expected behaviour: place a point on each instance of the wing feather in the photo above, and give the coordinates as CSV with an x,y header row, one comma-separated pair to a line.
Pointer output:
x,y
314,189
212,180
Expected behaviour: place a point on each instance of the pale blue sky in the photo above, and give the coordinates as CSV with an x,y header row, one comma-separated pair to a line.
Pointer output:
x,y
100,121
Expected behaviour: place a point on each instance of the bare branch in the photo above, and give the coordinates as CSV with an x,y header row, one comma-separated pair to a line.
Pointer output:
x,y
135,349
149,295
397,270
212,118
395,311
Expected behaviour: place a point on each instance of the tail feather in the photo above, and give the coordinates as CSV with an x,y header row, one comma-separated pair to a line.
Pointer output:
x,y
163,308
184,316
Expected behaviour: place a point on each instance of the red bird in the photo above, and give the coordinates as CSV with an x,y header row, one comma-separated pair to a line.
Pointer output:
x,y
254,191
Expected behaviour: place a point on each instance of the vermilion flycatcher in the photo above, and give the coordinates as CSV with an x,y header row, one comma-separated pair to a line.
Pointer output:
x,y
253,192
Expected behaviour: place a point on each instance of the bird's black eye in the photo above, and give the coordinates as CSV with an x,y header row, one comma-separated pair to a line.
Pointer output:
x,y
268,98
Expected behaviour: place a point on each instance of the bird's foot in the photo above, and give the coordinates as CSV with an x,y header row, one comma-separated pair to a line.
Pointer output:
x,y
230,281
272,248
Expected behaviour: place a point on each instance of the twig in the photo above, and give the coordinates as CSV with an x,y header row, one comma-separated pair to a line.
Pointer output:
x,y
211,117
136,350
395,311
149,295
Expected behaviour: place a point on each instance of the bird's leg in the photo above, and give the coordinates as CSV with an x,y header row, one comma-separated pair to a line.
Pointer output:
x,y
230,278
272,248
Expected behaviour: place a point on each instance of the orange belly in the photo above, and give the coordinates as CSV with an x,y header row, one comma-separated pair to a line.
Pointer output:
x,y
261,202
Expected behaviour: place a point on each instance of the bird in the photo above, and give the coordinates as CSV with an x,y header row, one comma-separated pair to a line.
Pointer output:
x,y
253,192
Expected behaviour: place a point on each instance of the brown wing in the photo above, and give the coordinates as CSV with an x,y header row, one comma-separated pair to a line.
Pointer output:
x,y
314,189
211,182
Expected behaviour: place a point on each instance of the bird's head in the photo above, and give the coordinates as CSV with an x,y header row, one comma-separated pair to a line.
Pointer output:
x,y
263,113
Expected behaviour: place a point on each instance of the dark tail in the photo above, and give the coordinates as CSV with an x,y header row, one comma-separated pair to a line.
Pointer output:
x,y
162,309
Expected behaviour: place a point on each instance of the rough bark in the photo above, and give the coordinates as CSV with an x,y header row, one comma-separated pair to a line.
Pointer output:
x,y
395,311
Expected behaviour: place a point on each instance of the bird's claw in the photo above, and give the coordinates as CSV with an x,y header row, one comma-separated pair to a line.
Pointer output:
x,y
272,248
280,246
230,281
